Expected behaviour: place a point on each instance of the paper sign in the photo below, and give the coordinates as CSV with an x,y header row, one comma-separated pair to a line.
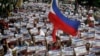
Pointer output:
x,y
78,42
34,31
97,36
63,38
42,48
97,43
80,50
67,51
39,38
91,35
18,35
84,34
29,25
31,48
49,38
11,39
40,24
21,48
6,31
54,53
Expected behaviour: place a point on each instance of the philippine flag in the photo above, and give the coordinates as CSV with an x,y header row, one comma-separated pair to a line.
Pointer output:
x,y
61,22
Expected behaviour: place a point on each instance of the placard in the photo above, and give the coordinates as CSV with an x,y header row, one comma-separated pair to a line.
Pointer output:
x,y
97,31
12,29
17,25
39,38
18,35
23,23
11,34
91,54
34,31
11,39
91,35
22,48
6,31
31,48
67,51
42,48
54,53
64,38
97,36
95,50
78,42
80,50
44,30
49,39
40,24
24,31
29,25
84,34
97,43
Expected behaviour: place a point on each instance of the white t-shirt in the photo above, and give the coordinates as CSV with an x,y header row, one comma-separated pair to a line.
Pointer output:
x,y
10,50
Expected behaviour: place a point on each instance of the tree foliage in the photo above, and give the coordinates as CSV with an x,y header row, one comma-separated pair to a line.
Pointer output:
x,y
6,6
89,2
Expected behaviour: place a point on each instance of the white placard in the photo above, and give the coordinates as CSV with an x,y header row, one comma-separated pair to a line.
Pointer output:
x,y
17,25
25,32
97,36
18,35
78,42
80,50
34,31
84,34
97,31
91,54
39,38
67,51
21,48
12,29
6,31
94,49
42,48
29,25
23,23
97,43
31,48
54,53
40,24
91,29
63,38
11,34
44,30
91,35
49,39
11,39
49,26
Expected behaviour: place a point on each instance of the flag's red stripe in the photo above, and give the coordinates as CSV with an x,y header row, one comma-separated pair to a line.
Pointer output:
x,y
61,25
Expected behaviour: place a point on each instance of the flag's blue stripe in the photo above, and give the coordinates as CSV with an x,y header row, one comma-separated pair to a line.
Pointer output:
x,y
72,23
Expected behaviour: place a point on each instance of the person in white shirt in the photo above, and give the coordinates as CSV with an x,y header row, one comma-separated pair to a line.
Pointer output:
x,y
12,50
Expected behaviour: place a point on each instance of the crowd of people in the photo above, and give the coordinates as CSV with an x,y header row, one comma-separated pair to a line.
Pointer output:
x,y
30,32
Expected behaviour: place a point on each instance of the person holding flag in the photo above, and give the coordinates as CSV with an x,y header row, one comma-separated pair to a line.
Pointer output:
x,y
61,22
